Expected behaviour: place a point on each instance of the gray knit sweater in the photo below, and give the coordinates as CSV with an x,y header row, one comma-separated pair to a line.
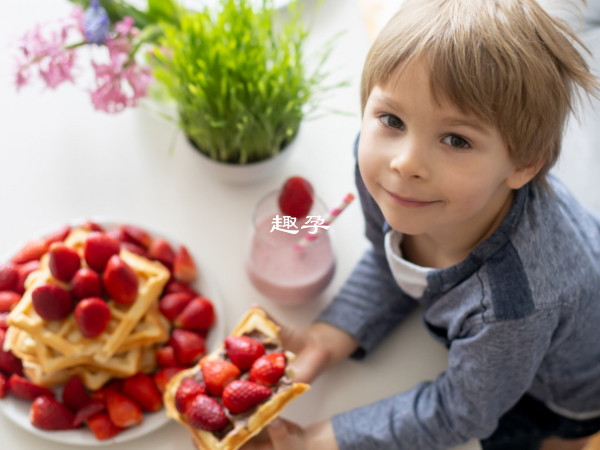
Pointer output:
x,y
521,314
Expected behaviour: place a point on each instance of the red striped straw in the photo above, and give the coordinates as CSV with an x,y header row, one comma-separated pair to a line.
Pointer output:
x,y
331,216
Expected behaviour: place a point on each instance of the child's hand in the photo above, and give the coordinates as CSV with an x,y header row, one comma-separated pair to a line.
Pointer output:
x,y
282,434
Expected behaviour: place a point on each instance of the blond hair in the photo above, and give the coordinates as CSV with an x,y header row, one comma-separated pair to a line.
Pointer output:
x,y
505,61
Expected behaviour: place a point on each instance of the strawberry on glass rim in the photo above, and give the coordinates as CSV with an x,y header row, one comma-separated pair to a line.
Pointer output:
x,y
80,284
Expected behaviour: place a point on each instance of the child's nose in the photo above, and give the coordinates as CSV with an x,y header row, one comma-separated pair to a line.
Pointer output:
x,y
409,160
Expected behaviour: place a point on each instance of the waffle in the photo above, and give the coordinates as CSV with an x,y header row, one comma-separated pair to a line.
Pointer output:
x,y
249,425
53,350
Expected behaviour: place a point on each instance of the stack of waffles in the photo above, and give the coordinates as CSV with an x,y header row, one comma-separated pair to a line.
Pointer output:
x,y
52,351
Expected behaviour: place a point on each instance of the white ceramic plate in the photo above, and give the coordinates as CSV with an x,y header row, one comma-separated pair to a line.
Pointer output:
x,y
17,410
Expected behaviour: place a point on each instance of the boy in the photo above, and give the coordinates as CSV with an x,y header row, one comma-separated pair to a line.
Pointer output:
x,y
464,104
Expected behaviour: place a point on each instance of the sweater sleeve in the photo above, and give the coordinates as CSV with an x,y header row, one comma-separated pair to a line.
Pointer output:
x,y
370,303
488,372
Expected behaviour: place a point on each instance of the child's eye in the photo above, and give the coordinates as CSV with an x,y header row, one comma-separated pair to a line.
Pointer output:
x,y
456,141
391,121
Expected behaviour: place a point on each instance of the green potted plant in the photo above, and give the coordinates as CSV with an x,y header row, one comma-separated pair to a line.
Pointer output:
x,y
239,81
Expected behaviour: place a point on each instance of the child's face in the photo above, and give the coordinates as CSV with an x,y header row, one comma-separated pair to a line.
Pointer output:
x,y
431,168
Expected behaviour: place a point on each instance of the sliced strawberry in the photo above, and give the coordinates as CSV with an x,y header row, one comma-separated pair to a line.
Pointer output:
x,y
93,226
98,248
23,272
184,268
102,426
164,375
123,411
8,299
92,316
31,251
177,286
199,314
186,392
120,281
48,413
24,389
88,410
86,283
59,235
241,395
206,414
134,248
141,388
188,346
243,351
162,251
217,373
3,385
52,302
63,261
171,305
268,369
112,386
9,363
9,277
296,197
74,393
165,357
3,321
137,235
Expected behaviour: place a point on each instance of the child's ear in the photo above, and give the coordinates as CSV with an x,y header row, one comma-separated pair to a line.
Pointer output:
x,y
523,175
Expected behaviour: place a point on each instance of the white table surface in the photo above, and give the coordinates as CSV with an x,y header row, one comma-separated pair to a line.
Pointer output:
x,y
60,160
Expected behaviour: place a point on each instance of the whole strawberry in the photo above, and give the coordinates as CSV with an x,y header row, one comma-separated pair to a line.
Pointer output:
x,y
241,395
120,281
296,197
217,374
92,316
187,391
243,350
48,413
52,302
268,369
63,261
206,413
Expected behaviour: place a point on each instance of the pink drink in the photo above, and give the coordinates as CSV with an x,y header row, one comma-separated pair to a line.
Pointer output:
x,y
281,272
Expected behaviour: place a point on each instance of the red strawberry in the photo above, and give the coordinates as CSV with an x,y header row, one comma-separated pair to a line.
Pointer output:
x,y
188,346
8,299
25,389
9,276
165,356
268,369
120,281
93,226
52,302
162,251
241,395
63,261
102,426
137,235
142,389
31,251
3,321
112,386
184,268
98,248
198,314
3,385
171,305
296,197
92,315
177,286
205,413
164,375
23,271
86,283
243,350
88,410
59,235
217,373
9,363
123,411
48,413
74,394
186,392
134,248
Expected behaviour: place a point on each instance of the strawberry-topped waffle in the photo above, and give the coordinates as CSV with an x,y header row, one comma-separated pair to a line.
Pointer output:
x,y
108,314
236,390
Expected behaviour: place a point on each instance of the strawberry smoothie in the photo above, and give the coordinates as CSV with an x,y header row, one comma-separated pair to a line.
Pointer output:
x,y
279,271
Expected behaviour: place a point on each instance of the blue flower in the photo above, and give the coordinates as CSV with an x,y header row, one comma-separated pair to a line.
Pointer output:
x,y
95,23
